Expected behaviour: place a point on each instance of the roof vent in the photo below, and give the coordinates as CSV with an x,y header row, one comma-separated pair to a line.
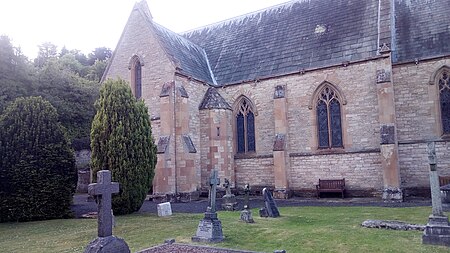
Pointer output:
x,y
320,29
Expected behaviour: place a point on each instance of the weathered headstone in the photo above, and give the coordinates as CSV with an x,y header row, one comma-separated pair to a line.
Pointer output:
x,y
246,214
270,206
229,202
164,209
210,228
105,242
437,231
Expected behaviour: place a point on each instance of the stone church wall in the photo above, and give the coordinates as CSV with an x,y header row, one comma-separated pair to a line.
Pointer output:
x,y
139,40
362,172
414,167
258,172
359,119
418,121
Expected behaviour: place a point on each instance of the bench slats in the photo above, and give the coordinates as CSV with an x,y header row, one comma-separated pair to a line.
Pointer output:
x,y
331,185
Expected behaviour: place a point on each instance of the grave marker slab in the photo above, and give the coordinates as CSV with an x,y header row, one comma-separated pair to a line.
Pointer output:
x,y
271,207
164,209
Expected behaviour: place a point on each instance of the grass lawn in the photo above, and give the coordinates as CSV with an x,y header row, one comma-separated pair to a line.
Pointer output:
x,y
299,229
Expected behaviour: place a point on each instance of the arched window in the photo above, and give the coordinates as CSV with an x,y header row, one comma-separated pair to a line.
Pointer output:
x,y
136,77
245,126
444,99
329,118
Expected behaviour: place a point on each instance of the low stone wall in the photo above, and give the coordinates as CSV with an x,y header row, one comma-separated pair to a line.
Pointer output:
x,y
362,171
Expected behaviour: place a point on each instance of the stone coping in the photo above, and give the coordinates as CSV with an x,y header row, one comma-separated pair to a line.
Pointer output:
x,y
182,248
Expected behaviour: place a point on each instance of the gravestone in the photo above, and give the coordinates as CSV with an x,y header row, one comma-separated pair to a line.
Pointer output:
x,y
246,214
164,209
229,202
210,228
105,242
437,231
270,209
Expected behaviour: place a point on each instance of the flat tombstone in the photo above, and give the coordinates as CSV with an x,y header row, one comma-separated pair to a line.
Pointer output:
x,y
271,206
164,209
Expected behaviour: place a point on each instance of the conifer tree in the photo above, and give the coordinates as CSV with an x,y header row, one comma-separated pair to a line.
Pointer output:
x,y
121,141
37,166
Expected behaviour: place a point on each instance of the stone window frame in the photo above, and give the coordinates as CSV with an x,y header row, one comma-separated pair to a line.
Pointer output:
x,y
236,110
135,61
436,97
313,107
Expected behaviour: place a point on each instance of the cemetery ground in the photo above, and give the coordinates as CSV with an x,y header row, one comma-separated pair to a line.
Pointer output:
x,y
326,227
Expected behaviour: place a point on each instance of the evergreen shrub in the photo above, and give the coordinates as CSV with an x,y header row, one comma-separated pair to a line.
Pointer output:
x,y
121,141
37,165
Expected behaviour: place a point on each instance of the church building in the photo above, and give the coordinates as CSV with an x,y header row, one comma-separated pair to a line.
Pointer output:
x,y
288,95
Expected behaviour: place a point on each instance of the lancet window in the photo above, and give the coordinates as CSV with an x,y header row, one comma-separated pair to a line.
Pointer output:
x,y
329,118
444,99
245,126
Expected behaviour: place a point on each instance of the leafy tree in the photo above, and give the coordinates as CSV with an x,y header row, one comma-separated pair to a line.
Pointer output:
x,y
71,95
121,141
46,52
16,76
99,54
37,166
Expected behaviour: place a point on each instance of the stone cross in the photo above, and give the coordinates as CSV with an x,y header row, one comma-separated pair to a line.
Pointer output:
x,y
214,180
103,190
434,181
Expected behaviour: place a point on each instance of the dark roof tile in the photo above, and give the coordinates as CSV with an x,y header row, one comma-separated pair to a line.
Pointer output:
x,y
289,37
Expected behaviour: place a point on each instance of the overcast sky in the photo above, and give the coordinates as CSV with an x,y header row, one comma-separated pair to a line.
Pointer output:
x,y
88,24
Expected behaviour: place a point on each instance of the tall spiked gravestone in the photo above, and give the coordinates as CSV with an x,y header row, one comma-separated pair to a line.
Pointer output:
x,y
105,242
210,228
437,231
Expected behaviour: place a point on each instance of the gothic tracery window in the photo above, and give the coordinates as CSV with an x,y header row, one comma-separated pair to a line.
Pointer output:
x,y
136,78
329,118
444,99
245,127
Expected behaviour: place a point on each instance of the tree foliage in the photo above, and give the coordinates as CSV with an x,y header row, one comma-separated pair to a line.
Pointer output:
x,y
121,141
37,166
65,79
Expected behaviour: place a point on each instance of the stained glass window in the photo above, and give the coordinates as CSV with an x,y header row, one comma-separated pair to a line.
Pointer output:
x,y
444,96
245,127
138,79
329,119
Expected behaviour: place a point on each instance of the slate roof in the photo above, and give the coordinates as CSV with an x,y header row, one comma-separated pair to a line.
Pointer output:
x,y
188,56
213,100
422,29
286,38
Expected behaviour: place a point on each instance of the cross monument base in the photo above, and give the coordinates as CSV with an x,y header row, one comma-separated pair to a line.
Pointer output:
x,y
209,229
109,244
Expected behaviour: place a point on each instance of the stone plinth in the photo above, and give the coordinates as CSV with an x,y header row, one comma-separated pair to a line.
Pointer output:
x,y
209,229
109,244
437,231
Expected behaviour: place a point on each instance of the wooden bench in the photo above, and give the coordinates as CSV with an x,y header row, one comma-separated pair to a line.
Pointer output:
x,y
331,185
444,180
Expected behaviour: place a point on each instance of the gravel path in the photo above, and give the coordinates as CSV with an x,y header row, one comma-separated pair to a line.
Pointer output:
x,y
82,206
